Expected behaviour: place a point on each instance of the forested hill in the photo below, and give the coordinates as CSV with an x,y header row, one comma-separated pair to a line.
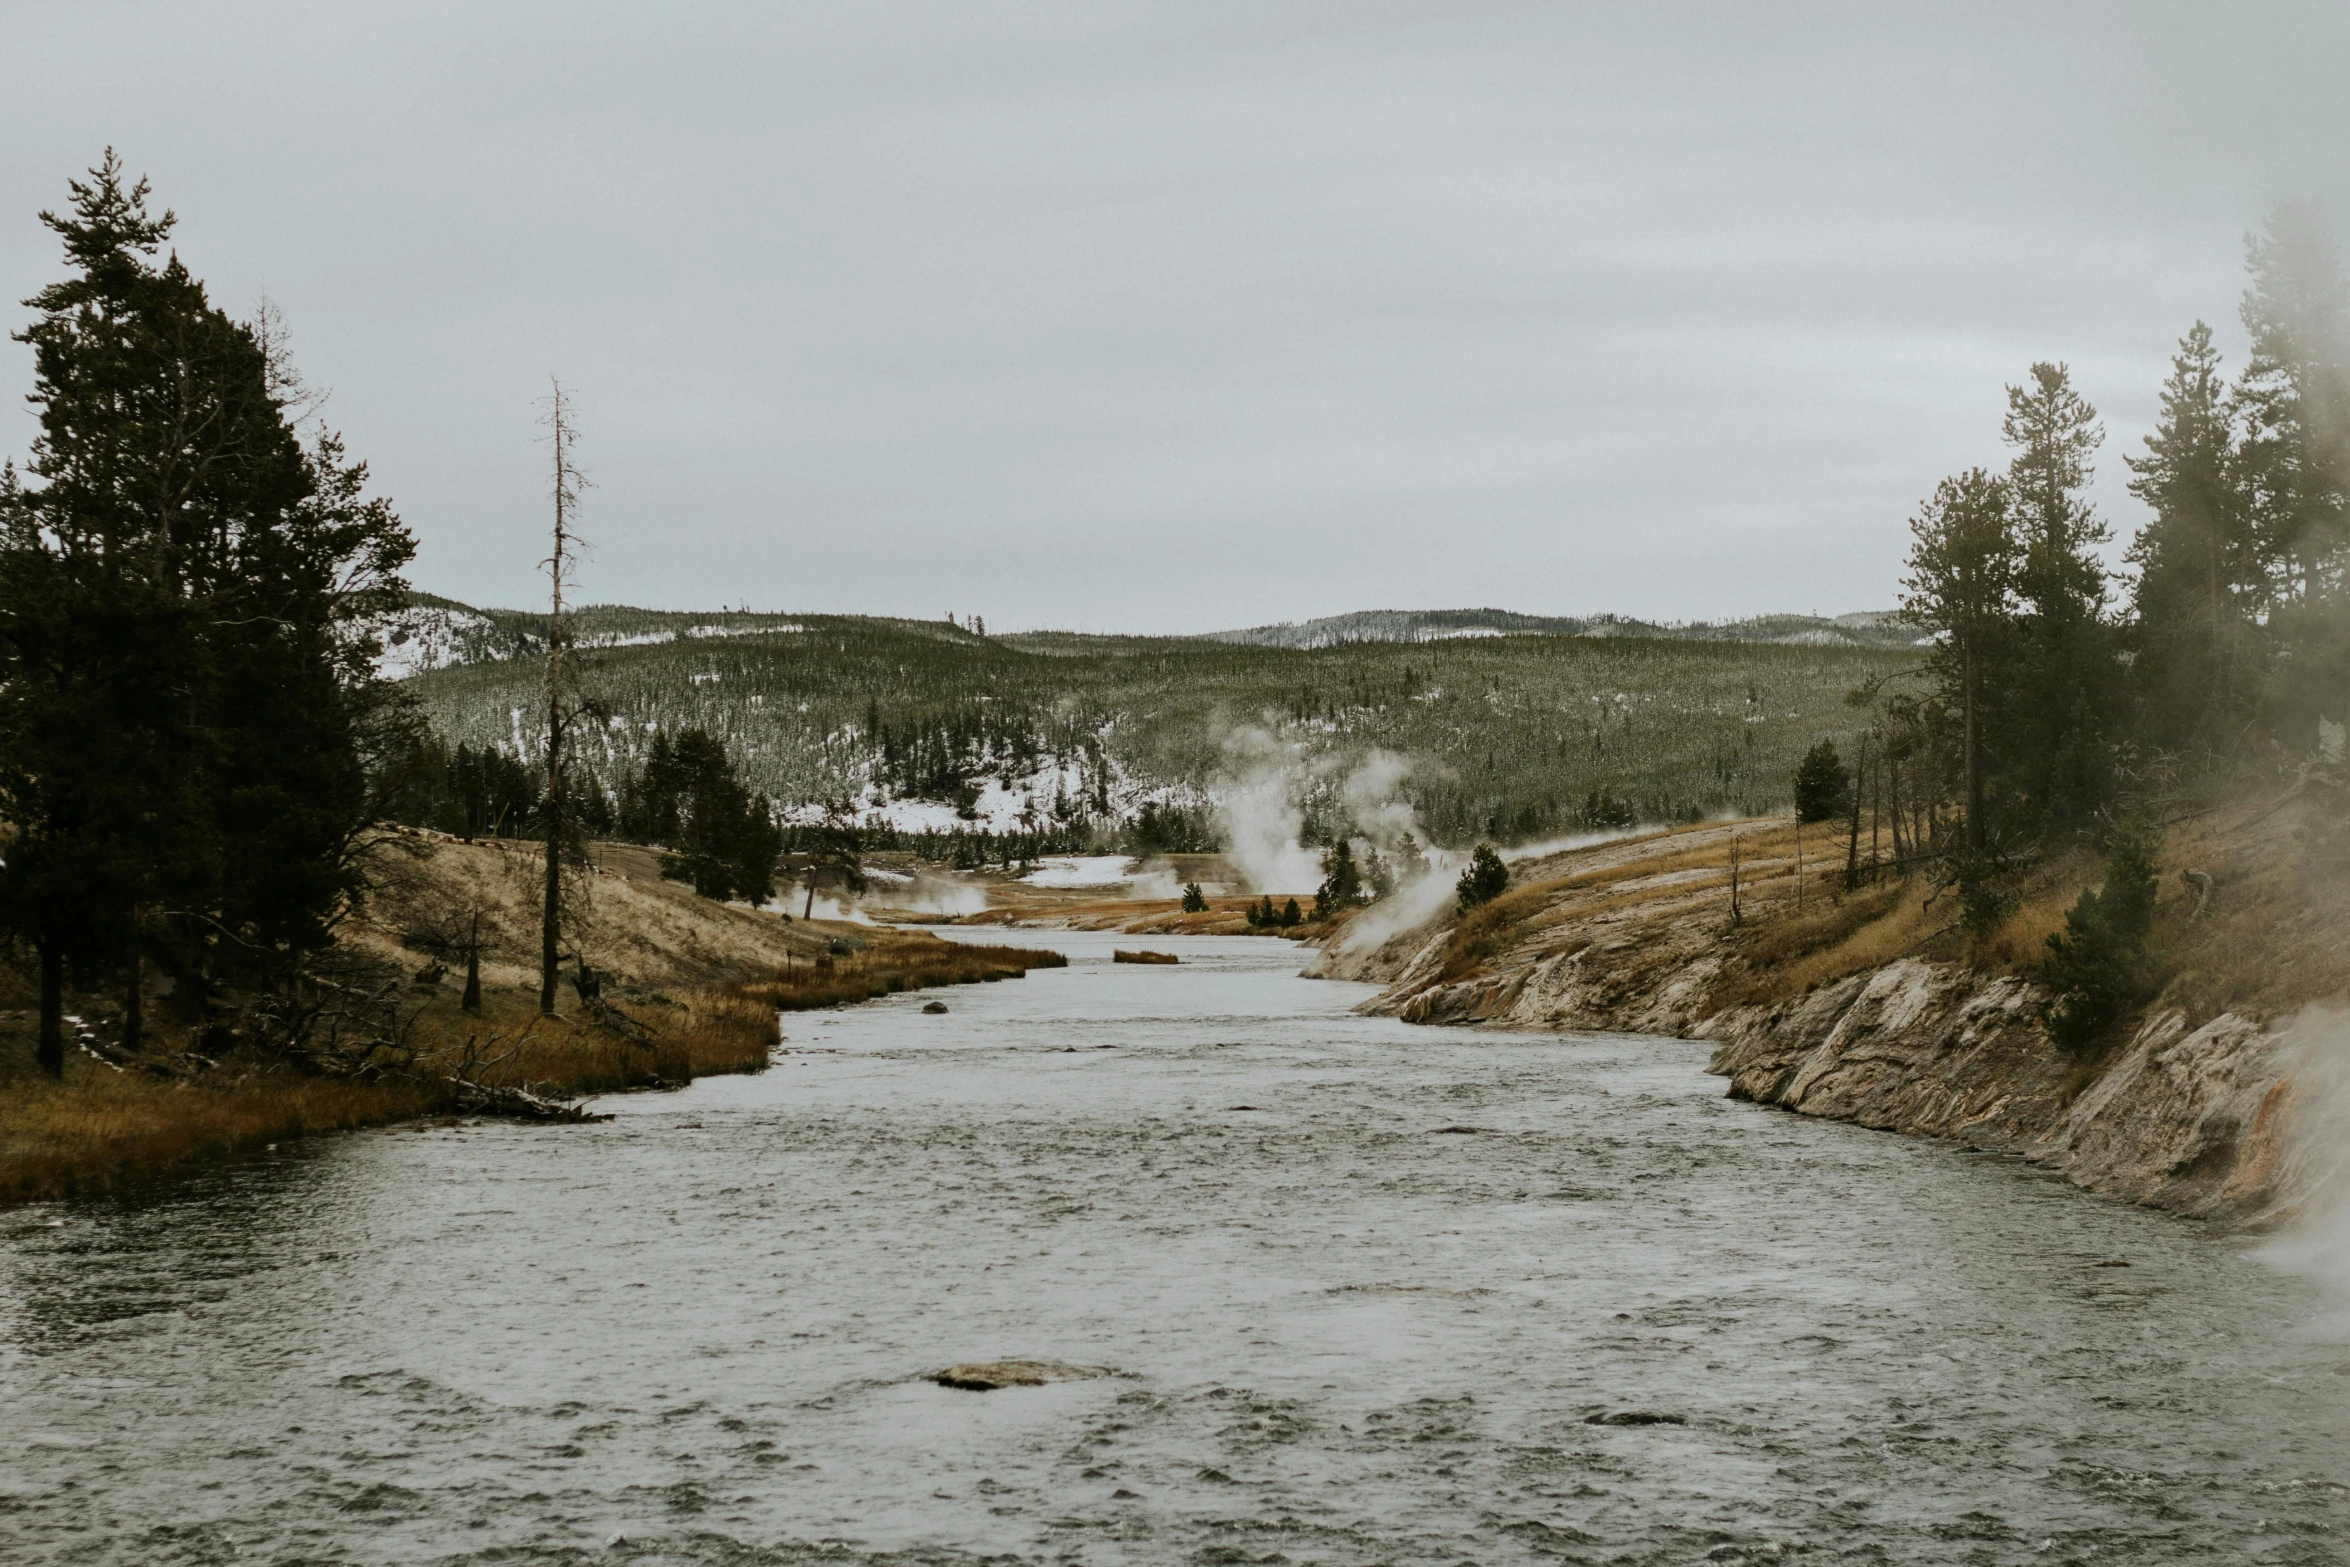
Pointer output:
x,y
1866,629
1517,736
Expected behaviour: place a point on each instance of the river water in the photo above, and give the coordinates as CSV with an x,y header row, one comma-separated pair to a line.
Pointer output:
x,y
1361,1293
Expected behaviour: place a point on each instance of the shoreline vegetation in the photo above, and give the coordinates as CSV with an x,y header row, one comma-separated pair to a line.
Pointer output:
x,y
682,987
1872,1000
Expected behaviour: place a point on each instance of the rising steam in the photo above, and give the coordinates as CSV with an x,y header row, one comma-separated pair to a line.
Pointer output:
x,y
1263,814
1263,809
2317,1244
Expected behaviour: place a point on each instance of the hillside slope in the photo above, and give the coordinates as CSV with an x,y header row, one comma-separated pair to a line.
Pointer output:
x,y
1864,629
1867,1006
1513,737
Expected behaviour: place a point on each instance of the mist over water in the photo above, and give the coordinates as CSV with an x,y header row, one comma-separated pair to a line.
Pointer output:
x,y
1362,1294
2316,1245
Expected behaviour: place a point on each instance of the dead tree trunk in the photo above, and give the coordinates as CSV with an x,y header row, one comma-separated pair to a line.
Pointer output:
x,y
558,564
134,1013
50,1049
1860,773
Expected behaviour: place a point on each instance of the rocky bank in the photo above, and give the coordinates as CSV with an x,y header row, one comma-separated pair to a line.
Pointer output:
x,y
2193,1114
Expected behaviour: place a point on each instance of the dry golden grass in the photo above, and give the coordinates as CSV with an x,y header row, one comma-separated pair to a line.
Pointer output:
x,y
1133,916
894,961
99,1128
2274,936
709,1032
1787,952
1488,929
2019,941
648,931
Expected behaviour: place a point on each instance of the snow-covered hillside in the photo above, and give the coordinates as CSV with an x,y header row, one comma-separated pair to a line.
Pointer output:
x,y
439,633
436,633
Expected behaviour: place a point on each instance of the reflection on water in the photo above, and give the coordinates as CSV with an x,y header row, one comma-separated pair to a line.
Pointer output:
x,y
1364,1293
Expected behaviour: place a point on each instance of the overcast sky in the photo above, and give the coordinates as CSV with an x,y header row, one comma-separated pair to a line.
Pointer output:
x,y
1174,317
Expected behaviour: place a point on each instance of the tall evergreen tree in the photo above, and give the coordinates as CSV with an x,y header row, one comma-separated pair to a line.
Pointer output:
x,y
187,692
2293,463
2200,586
688,798
1342,881
2064,679
836,853
1823,784
1965,560
2292,398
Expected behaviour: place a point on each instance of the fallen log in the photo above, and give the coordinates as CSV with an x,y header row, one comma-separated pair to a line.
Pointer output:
x,y
519,1103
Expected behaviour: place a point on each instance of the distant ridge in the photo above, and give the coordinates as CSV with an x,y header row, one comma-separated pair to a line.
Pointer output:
x,y
440,633
1866,628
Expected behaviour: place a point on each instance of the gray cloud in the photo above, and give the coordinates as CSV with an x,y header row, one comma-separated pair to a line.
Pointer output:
x,y
1172,317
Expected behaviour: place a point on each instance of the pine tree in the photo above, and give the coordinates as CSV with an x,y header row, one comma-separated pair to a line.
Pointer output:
x,y
836,849
2291,398
1485,880
1823,785
2065,678
688,797
2197,598
188,703
1342,881
1964,562
2293,461
2096,966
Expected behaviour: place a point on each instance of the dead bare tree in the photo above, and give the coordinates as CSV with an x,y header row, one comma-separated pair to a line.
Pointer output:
x,y
562,433
452,933
1860,775
1737,861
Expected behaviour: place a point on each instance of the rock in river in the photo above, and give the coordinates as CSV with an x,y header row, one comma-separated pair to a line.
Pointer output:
x,y
985,1376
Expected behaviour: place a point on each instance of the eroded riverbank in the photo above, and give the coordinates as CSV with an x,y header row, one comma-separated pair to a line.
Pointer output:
x,y
1866,1004
1362,1290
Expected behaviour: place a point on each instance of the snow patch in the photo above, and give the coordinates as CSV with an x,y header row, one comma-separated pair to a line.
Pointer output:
x,y
1081,870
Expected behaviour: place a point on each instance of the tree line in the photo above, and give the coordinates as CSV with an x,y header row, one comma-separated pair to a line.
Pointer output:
x,y
2051,693
189,710
2064,703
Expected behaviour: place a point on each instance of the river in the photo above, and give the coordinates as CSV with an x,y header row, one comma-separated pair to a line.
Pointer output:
x,y
1358,1293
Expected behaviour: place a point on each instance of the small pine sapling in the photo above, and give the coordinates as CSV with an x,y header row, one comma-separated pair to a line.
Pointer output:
x,y
2096,967
1485,880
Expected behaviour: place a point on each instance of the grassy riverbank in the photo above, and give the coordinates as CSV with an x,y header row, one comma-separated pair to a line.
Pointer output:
x,y
2271,933
691,989
106,1126
1872,1003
